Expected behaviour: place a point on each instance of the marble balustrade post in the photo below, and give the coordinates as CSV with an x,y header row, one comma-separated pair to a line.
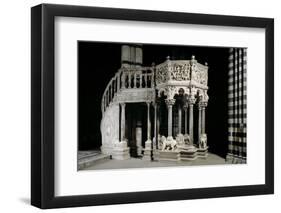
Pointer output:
x,y
123,79
118,82
130,78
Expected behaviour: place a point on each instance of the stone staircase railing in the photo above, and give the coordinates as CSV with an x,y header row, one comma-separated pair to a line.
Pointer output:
x,y
126,79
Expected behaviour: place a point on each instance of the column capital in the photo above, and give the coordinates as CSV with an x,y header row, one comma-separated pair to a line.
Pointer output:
x,y
185,106
203,104
148,103
170,102
123,104
191,101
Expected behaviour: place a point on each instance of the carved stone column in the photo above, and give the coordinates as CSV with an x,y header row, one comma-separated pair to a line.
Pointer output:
x,y
180,118
199,122
202,151
158,122
191,103
155,124
185,118
170,103
123,121
148,142
148,122
203,118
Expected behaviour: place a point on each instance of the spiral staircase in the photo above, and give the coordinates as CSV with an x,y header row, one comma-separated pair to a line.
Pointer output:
x,y
133,84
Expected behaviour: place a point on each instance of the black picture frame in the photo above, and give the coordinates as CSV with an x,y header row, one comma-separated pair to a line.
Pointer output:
x,y
43,101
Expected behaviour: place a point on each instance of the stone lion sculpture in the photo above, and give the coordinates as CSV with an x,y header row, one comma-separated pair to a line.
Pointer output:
x,y
203,141
180,139
168,144
187,139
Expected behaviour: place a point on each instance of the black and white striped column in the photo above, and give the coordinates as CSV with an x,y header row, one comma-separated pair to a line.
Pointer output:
x,y
237,105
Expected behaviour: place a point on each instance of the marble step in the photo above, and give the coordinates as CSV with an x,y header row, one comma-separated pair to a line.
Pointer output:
x,y
90,158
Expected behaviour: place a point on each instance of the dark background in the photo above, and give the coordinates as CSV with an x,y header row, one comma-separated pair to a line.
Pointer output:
x,y
98,62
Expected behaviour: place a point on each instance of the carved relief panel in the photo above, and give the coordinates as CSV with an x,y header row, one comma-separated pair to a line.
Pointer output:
x,y
180,71
110,128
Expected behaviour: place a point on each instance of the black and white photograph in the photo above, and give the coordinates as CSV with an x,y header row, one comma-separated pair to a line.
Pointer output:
x,y
140,106
152,105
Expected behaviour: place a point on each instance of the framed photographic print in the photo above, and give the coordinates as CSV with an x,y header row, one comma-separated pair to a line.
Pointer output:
x,y
139,106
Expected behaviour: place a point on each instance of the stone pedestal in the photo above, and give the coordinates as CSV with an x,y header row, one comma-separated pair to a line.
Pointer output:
x,y
168,155
187,153
106,149
147,150
202,152
121,151
203,148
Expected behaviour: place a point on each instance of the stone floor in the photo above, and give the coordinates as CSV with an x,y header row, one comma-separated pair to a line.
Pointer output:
x,y
85,154
212,159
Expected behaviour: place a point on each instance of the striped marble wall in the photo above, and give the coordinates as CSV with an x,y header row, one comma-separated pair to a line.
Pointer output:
x,y
237,106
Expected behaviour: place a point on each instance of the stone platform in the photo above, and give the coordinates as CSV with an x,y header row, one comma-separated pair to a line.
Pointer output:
x,y
167,155
183,153
90,158
212,159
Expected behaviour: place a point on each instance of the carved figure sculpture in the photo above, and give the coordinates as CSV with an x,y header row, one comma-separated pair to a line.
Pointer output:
x,y
187,139
203,141
168,144
180,139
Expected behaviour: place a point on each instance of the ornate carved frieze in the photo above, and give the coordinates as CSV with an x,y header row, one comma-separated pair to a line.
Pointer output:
x,y
136,95
199,73
162,73
180,71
